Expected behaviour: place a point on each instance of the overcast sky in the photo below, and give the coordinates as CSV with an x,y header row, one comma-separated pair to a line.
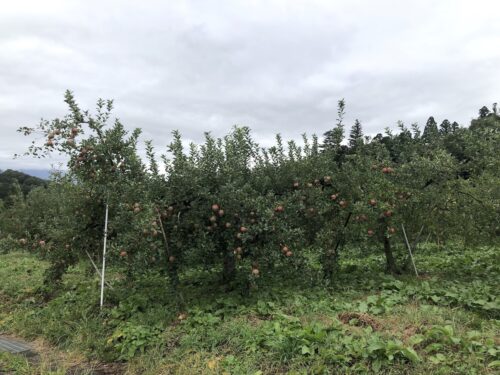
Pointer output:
x,y
276,66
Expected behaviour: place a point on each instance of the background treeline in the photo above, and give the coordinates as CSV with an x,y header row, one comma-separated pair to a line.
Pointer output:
x,y
11,181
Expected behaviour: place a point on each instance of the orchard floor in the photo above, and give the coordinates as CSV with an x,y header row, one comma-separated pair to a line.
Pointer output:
x,y
445,322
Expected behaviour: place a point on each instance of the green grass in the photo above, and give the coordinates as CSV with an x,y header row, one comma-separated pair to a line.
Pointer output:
x,y
445,322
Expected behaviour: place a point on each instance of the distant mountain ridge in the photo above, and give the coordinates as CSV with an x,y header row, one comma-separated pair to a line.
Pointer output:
x,y
26,182
40,173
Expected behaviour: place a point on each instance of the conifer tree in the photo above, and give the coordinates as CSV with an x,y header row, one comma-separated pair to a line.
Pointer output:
x,y
431,131
445,127
356,135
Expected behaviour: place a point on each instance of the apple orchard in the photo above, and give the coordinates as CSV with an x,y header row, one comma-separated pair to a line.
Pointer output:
x,y
228,206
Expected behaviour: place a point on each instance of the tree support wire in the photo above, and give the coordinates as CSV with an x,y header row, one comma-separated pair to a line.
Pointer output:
x,y
409,250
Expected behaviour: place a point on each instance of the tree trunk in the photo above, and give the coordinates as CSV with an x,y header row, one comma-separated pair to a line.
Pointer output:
x,y
331,260
390,261
229,268
329,263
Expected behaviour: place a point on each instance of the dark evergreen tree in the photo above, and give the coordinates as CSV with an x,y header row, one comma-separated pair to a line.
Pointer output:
x,y
356,135
445,127
431,131
484,112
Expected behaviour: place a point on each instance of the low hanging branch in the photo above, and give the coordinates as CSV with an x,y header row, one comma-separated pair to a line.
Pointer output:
x,y
182,303
163,233
341,238
328,272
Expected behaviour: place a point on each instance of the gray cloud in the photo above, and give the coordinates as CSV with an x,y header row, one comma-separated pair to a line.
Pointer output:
x,y
276,66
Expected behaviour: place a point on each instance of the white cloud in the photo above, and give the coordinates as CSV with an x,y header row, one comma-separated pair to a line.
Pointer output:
x,y
276,66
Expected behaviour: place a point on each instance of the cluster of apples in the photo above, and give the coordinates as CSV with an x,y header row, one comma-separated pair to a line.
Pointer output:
x,y
285,250
152,231
70,141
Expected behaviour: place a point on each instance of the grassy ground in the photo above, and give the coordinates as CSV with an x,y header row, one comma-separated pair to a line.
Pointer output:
x,y
445,322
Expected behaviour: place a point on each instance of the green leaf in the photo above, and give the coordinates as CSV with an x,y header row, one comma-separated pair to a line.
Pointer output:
x,y
363,307
438,358
494,364
411,354
435,299
305,350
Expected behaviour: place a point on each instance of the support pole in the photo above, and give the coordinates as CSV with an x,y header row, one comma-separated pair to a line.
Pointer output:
x,y
409,249
104,255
